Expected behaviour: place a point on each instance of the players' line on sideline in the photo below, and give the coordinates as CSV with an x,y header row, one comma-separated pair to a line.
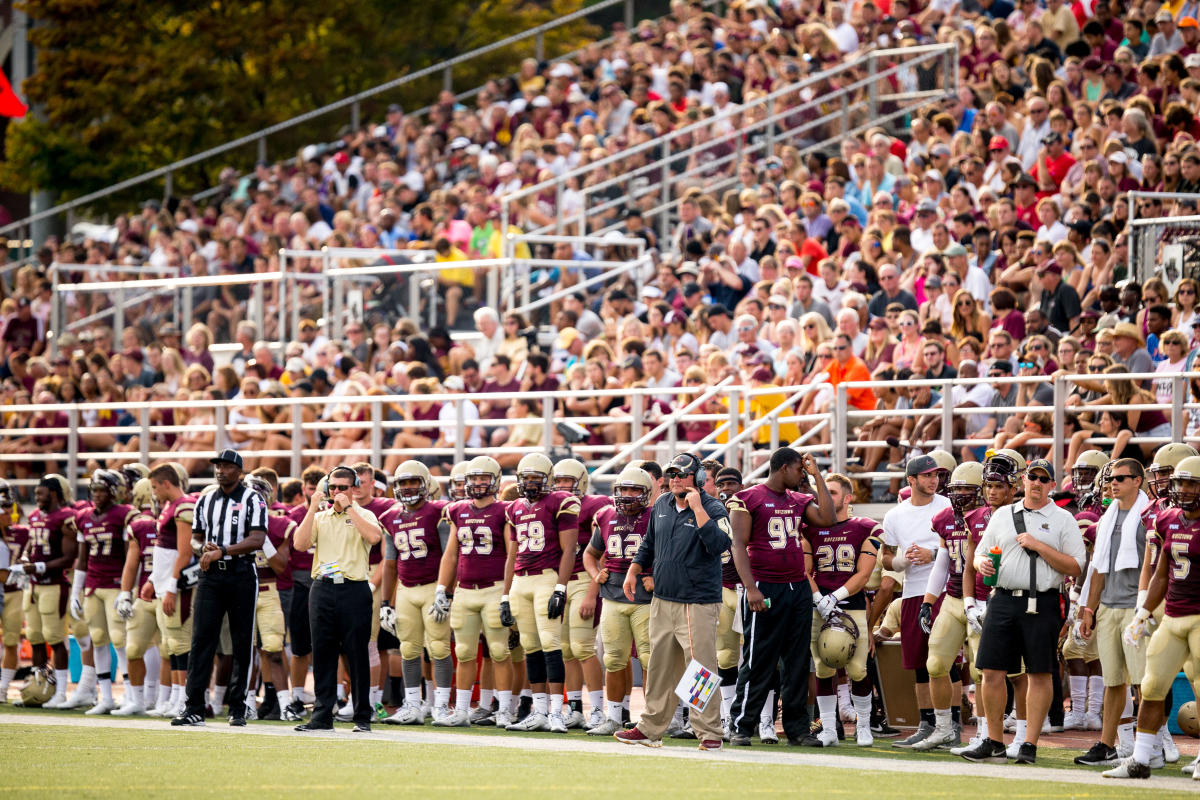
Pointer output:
x,y
807,758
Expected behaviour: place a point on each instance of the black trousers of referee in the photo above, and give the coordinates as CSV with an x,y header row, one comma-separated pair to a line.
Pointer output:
x,y
340,615
779,634
232,592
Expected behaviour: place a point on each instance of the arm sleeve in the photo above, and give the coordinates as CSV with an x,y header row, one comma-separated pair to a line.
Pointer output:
x,y
443,532
596,542
936,583
389,545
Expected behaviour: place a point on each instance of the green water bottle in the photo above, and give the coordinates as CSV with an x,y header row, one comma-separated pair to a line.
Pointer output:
x,y
994,555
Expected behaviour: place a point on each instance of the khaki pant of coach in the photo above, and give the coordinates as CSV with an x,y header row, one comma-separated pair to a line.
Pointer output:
x,y
680,632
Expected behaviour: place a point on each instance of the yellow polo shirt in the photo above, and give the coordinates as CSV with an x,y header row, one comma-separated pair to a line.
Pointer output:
x,y
337,541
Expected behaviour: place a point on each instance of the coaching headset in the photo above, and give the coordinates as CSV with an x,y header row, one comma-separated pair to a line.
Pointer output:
x,y
687,464
353,474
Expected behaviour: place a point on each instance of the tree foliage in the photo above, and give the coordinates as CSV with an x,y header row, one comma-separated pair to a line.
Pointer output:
x,y
126,86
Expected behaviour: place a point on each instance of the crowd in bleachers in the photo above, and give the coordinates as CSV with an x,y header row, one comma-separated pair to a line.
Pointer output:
x,y
983,236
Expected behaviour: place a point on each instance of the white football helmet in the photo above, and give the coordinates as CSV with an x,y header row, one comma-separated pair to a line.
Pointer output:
x,y
457,486
573,470
838,640
533,476
414,470
483,465
39,688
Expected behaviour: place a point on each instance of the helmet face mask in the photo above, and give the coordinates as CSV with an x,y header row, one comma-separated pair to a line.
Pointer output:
x,y
632,490
964,498
483,477
403,483
109,484
260,487
40,687
1083,477
456,487
533,476
1185,493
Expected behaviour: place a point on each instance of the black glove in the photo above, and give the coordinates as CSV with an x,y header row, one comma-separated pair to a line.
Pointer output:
x,y
514,639
557,604
926,616
507,619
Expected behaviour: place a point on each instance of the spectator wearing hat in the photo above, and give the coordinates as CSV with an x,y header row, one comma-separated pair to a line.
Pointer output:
x,y
1129,348
1168,38
1058,300
1115,86
568,349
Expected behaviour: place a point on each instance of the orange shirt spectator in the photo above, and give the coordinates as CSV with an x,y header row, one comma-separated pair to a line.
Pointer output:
x,y
848,367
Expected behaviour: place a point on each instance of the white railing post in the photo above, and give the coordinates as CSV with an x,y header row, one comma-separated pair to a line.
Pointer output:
x,y
221,437
256,299
57,321
1179,393
637,407
376,433
281,295
73,446
1059,423
119,317
840,434
297,439
548,429
735,418
144,435
948,419
460,439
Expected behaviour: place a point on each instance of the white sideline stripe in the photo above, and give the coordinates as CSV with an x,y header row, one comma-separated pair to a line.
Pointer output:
x,y
754,755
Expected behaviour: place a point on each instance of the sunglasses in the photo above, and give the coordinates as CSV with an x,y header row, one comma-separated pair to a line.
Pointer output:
x,y
1187,291
908,324
965,304
1122,478
824,355
340,488
841,347
1040,478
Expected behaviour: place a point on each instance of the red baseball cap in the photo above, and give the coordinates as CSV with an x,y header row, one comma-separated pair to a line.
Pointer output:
x,y
998,143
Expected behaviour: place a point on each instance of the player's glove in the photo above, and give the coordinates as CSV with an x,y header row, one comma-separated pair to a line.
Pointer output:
x,y
1134,631
926,617
507,620
76,607
124,605
387,618
441,606
826,605
16,569
974,613
558,602
514,639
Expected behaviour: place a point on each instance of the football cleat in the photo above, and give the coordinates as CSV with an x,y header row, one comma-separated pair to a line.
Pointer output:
x,y
130,709
986,750
767,734
1010,723
1027,754
863,736
54,702
1100,755
738,739
710,745
685,732
236,721
188,721
607,727
345,713
976,740
407,714
251,712
1014,749
1075,721
458,718
101,708
160,710
847,713
534,722
941,737
923,732
79,698
295,712
1129,768
503,719
635,736
574,719
1093,722
556,724
882,730
1170,750
440,713
305,697
595,719
1190,769
482,716
828,738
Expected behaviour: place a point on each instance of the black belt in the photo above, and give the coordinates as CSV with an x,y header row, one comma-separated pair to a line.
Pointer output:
x,y
337,581
1027,593
231,562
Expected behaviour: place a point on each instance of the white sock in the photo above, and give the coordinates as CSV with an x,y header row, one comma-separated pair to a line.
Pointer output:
x,y
625,702
556,703
1019,736
165,690
827,705
573,696
527,693
62,677
341,692
176,694
843,695
1125,734
218,696
1095,693
122,663
6,677
412,696
462,700
982,730
614,711
862,708
596,699
284,696
88,679
106,690
541,703
485,698
1079,686
1145,745
441,697
136,696
504,696
376,695
153,661
941,718
429,691
1128,712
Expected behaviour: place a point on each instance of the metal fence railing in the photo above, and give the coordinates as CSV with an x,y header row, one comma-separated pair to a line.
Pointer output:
x,y
1163,247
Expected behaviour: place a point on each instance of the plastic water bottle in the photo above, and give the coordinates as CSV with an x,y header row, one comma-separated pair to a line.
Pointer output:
x,y
994,555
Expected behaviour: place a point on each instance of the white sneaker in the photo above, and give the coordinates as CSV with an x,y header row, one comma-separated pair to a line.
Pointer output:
x,y
1010,723
101,708
533,722
556,723
976,740
407,714
55,702
1170,751
942,735
427,707
179,709
251,712
1190,769
607,727
1075,721
767,734
1094,723
574,719
596,718
1157,762
160,709
440,713
863,735
80,698
1014,749
130,709
458,718
1128,769
828,738
345,713
503,719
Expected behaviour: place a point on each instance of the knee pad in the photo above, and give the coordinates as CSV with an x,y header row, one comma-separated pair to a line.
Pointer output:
x,y
582,648
11,639
410,651
727,659
555,671
922,675
134,651
856,673
935,666
615,660
372,654
439,650
466,651
535,667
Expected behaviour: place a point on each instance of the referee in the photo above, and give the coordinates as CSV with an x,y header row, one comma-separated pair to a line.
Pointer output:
x,y
229,526
340,600
1039,544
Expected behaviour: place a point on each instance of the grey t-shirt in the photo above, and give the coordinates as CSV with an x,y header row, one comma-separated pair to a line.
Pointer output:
x,y
1121,586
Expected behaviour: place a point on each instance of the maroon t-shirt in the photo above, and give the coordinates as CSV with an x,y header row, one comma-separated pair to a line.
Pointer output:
x,y
589,506
60,420
535,528
481,547
23,334
414,537
499,408
145,532
1181,544
104,536
776,545
279,530
836,549
954,539
300,560
977,522
46,532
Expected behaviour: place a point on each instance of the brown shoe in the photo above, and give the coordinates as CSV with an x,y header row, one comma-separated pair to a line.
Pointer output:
x,y
710,744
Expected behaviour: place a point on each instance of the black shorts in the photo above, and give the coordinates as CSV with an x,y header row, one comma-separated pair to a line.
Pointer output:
x,y
298,615
387,641
1011,636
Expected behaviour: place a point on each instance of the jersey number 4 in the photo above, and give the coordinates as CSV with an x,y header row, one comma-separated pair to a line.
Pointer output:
x,y
780,529
467,542
531,537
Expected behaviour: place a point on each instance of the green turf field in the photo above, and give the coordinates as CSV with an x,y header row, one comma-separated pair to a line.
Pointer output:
x,y
93,761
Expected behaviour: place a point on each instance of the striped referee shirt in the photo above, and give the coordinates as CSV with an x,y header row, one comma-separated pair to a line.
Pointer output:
x,y
226,519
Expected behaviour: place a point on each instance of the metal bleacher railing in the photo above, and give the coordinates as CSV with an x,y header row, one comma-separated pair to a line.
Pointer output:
x,y
739,435
809,113
1168,247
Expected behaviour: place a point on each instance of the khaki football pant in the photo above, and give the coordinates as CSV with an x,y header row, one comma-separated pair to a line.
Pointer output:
x,y
415,628
1174,641
141,630
530,599
46,614
268,617
475,610
103,622
580,642
622,625
13,618
176,632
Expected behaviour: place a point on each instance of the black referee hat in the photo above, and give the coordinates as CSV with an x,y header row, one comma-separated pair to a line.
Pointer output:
x,y
230,456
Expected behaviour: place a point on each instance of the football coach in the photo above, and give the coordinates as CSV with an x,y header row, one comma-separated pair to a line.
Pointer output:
x,y
687,533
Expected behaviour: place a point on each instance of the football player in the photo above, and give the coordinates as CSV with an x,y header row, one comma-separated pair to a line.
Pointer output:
x,y
773,560
543,535
456,487
50,551
948,634
141,626
102,536
371,494
474,559
617,535
1177,638
271,562
13,538
844,556
172,579
579,641
413,551
728,483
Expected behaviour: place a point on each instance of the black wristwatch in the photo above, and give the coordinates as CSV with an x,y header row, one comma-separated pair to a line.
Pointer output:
x,y
224,552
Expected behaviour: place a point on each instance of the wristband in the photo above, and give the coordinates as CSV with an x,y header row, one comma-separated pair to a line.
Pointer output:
x,y
1142,614
558,587
172,586
817,597
39,567
1141,598
268,548
503,598
224,551
840,593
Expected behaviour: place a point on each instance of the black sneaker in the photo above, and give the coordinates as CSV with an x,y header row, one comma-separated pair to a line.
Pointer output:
x,y
626,722
882,730
308,727
269,707
1027,754
237,722
1101,755
809,740
988,750
189,721
361,727
295,712
739,740
524,708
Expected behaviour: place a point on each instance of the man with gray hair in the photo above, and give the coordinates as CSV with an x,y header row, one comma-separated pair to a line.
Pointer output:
x,y
487,322
890,292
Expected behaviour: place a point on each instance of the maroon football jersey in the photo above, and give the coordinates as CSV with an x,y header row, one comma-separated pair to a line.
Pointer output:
x,y
836,549
776,522
104,536
378,506
415,536
589,506
300,560
954,539
977,522
46,532
481,547
144,529
168,533
1154,533
279,530
1181,546
16,537
619,537
535,528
